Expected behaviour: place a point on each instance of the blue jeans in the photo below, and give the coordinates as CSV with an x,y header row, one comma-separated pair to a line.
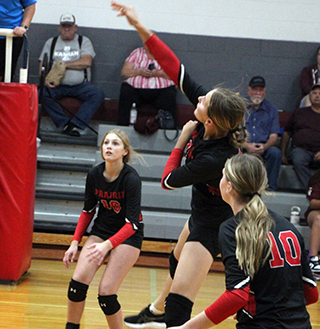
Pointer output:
x,y
301,159
91,96
272,157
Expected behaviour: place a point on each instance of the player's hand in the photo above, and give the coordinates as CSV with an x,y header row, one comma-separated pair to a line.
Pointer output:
x,y
70,254
98,252
185,135
189,127
127,11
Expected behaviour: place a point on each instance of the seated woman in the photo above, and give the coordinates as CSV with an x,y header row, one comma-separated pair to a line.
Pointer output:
x,y
313,218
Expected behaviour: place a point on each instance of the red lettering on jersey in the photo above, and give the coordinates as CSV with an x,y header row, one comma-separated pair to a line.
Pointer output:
x,y
105,204
291,247
109,195
292,250
277,260
115,206
190,145
214,190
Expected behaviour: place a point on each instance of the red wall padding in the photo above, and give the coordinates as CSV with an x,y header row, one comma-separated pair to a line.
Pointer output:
x,y
18,162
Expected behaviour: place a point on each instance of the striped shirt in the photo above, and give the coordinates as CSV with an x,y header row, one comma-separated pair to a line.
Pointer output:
x,y
140,59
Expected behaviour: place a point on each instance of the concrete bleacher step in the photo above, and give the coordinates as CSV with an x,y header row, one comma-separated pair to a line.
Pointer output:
x,y
49,133
66,156
63,166
59,184
155,144
63,215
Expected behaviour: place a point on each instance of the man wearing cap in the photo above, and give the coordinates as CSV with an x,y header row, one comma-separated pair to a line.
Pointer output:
x,y
304,128
262,123
75,54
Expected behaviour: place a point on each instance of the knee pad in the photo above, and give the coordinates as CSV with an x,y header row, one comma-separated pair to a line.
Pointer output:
x,y
173,263
109,304
77,291
177,310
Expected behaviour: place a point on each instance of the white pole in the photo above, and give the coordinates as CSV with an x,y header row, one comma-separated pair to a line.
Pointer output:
x,y
9,38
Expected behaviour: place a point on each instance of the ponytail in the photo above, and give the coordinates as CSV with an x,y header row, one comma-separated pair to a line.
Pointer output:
x,y
248,177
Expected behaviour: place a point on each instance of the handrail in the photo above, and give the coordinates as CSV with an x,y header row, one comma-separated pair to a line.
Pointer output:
x,y
8,33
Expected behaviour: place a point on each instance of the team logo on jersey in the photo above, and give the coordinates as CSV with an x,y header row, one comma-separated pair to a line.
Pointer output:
x,y
214,190
190,145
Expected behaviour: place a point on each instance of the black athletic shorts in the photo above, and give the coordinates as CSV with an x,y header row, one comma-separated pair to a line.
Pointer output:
x,y
207,236
134,240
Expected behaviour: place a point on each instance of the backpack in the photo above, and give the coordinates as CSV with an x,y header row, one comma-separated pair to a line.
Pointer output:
x,y
53,44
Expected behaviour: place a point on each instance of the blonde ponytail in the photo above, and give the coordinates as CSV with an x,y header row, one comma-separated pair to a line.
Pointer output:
x,y
248,177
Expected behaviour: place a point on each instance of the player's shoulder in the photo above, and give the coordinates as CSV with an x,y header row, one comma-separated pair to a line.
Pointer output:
x,y
98,168
229,226
129,171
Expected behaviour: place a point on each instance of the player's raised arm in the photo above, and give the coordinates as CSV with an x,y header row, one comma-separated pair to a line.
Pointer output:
x,y
132,18
169,62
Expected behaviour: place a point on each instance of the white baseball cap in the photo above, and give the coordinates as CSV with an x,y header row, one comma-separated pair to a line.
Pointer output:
x,y
67,19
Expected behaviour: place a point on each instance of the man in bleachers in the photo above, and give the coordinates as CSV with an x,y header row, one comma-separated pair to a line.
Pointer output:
x,y
304,128
262,123
71,54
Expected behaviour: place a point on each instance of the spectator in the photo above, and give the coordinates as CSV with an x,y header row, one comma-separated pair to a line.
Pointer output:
x,y
313,218
145,83
16,15
309,76
77,57
262,123
304,127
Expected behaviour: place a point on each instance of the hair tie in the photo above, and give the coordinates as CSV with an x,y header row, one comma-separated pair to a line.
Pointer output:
x,y
251,195
234,130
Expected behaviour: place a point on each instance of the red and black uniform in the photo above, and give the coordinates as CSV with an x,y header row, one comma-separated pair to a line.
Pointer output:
x,y
205,159
119,218
278,294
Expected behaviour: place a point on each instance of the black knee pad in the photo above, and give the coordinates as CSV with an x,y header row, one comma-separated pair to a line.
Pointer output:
x,y
177,310
109,304
77,291
173,263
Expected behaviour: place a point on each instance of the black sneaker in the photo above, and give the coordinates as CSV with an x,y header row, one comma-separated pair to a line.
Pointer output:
x,y
71,130
314,264
145,319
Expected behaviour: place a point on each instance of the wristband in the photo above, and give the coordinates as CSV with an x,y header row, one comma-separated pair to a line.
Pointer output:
x,y
25,27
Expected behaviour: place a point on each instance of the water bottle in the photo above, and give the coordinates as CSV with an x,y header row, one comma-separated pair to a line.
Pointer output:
x,y
295,215
133,114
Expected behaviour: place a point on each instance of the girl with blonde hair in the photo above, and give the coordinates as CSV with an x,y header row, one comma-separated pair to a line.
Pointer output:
x,y
268,279
117,232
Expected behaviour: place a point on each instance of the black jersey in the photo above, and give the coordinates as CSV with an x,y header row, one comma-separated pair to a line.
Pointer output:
x,y
205,159
277,293
119,201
